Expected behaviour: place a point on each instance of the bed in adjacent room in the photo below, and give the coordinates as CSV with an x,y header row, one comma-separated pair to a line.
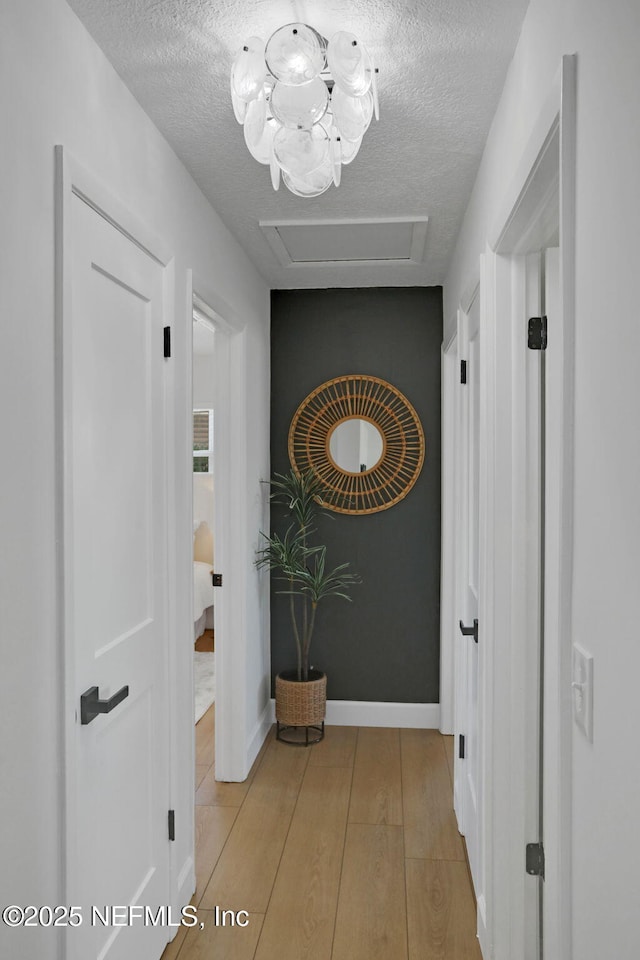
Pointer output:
x,y
202,598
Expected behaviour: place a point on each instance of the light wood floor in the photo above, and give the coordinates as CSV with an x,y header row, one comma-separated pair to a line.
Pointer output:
x,y
347,850
205,642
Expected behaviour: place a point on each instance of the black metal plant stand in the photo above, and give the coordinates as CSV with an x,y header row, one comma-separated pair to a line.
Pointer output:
x,y
298,741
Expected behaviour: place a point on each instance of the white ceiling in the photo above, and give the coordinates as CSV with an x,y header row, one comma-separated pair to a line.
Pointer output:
x,y
442,66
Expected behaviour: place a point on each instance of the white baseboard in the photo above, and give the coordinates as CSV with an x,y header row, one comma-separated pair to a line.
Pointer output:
x,y
365,713
259,734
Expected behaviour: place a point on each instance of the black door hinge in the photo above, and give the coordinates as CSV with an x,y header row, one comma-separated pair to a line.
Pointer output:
x,y
167,341
463,371
216,579
537,333
172,824
461,746
535,860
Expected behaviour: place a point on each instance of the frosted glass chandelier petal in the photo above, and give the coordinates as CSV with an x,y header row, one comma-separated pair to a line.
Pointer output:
x,y
249,70
335,154
352,115
305,104
350,64
313,185
349,150
239,106
300,152
259,130
301,105
295,53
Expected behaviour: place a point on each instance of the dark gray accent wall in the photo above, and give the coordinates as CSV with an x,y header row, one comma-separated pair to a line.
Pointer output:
x,y
384,646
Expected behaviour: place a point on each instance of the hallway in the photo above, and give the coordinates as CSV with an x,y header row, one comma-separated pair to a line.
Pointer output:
x,y
346,851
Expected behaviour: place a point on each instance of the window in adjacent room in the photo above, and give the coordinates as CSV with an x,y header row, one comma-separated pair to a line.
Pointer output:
x,y
203,441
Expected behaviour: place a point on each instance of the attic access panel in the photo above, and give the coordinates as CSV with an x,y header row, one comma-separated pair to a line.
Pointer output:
x,y
364,242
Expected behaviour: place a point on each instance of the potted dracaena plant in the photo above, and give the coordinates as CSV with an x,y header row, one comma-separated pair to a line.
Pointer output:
x,y
301,568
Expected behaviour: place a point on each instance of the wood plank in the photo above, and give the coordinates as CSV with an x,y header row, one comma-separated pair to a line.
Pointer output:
x,y
205,642
338,748
300,918
371,922
201,772
261,752
441,915
376,793
172,949
221,942
205,738
212,792
213,825
244,876
430,825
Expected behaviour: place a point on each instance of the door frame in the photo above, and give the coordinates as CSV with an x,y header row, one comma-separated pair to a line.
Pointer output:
x,y
73,179
230,454
448,623
543,188
545,175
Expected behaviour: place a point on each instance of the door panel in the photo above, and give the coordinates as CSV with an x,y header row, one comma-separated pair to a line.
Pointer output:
x,y
467,771
116,583
532,567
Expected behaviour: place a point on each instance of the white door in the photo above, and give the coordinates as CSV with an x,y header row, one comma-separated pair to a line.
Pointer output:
x,y
115,587
468,757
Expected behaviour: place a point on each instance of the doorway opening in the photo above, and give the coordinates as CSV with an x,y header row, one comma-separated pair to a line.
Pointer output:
x,y
204,537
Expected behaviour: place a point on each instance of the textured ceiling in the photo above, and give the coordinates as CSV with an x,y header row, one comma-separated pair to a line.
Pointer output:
x,y
442,66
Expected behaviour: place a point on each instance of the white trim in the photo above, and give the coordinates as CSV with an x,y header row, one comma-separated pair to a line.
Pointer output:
x,y
75,178
232,746
558,614
488,513
453,333
365,713
500,237
416,256
469,293
450,368
260,732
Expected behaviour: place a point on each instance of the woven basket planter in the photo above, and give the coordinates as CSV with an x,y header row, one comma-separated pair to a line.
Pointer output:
x,y
301,704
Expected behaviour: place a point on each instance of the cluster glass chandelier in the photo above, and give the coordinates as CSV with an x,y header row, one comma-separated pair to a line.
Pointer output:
x,y
305,104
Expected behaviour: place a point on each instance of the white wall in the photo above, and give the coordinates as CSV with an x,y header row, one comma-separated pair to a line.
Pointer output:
x,y
606,775
57,87
203,381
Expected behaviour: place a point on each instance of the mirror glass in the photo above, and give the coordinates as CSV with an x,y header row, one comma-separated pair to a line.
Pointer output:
x,y
356,445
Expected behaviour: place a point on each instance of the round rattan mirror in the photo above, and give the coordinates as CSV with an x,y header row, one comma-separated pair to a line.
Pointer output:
x,y
364,440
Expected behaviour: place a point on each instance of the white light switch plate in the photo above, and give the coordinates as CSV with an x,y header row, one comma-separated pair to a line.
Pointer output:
x,y
582,690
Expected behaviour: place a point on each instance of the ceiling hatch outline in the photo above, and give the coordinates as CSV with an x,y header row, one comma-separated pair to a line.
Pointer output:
x,y
398,241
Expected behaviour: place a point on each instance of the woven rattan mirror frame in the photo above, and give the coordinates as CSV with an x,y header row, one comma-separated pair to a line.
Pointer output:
x,y
366,398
